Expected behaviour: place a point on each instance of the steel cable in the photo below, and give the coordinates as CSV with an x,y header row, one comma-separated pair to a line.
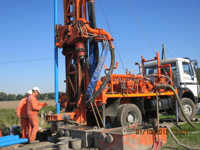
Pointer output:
x,y
140,25
112,36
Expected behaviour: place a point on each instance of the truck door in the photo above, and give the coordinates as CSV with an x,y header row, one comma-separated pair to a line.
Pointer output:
x,y
189,78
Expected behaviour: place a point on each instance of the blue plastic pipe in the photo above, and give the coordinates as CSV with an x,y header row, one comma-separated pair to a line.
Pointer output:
x,y
5,137
56,57
9,138
12,142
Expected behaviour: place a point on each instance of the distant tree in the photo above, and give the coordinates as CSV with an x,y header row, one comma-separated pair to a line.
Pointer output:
x,y
39,96
3,96
19,96
43,96
50,95
61,93
25,95
11,97
53,95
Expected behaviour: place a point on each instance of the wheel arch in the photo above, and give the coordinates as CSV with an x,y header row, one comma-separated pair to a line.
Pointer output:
x,y
186,93
111,106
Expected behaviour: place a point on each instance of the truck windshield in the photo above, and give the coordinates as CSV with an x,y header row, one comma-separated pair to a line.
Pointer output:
x,y
153,69
187,68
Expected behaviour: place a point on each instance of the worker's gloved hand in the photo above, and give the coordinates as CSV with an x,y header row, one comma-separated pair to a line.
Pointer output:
x,y
45,104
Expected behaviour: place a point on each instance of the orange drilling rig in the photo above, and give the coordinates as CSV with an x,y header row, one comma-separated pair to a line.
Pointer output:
x,y
119,99
114,93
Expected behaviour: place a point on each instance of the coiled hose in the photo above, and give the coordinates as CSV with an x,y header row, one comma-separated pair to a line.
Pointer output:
x,y
96,94
179,102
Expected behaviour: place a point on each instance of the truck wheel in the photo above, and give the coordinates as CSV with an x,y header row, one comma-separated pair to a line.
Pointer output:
x,y
128,114
189,108
113,120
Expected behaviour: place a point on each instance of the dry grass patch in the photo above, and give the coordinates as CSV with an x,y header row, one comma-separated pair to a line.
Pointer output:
x,y
14,104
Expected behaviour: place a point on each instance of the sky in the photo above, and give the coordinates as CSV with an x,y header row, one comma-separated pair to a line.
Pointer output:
x,y
27,33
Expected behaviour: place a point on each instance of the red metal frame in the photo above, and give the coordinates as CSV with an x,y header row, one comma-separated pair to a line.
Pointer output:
x,y
158,64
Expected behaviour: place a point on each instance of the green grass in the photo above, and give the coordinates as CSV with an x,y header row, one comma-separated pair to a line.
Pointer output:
x,y
173,116
165,117
9,118
191,139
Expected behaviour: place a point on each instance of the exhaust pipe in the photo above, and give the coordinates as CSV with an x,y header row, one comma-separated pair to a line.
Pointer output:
x,y
140,67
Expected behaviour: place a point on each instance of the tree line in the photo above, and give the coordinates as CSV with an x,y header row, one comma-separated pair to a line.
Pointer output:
x,y
14,97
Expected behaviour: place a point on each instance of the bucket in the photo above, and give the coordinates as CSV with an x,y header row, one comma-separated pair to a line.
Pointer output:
x,y
63,145
76,143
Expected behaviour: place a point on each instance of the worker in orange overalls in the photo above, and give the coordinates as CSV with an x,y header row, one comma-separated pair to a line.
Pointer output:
x,y
33,107
22,113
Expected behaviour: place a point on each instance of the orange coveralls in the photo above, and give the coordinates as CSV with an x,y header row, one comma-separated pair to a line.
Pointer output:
x,y
22,113
33,107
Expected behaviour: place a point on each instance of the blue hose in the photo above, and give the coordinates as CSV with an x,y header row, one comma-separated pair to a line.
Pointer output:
x,y
96,74
92,58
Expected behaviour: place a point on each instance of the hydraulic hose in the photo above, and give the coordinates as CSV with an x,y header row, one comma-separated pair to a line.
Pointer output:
x,y
96,94
172,134
169,117
179,102
164,107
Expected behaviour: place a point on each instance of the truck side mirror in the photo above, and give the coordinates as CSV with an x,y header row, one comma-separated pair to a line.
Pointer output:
x,y
195,65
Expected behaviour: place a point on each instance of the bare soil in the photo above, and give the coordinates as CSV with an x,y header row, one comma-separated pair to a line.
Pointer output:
x,y
14,104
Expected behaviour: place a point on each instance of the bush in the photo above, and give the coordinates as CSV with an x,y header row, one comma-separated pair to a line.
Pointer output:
x,y
48,108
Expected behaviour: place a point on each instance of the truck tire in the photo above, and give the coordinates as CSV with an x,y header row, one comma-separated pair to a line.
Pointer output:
x,y
128,114
113,120
189,108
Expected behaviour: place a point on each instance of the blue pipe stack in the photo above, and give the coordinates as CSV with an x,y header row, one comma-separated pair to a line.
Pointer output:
x,y
11,140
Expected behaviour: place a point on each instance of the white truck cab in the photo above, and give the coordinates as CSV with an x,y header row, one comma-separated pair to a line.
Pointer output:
x,y
185,79
184,69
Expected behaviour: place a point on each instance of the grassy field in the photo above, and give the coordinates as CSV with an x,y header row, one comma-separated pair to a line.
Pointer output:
x,y
9,118
14,104
191,139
